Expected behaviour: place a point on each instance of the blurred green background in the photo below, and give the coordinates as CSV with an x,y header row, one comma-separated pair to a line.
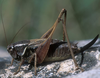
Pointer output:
x,y
83,18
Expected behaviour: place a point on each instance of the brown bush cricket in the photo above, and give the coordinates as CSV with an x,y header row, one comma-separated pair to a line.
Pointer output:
x,y
46,49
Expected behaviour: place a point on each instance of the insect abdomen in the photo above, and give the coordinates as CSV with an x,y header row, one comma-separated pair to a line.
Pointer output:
x,y
62,52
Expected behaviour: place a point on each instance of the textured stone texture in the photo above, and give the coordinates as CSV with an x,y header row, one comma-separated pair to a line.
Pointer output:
x,y
65,69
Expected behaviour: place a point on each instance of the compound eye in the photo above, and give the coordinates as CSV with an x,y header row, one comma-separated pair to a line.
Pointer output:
x,y
10,48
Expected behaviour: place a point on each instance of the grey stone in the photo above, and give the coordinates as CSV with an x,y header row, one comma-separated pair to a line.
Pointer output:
x,y
62,69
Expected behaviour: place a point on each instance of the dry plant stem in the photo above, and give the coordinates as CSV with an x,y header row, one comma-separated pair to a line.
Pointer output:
x,y
22,60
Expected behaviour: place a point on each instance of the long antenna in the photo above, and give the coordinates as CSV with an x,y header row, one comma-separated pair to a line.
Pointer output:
x,y
18,31
5,31
4,27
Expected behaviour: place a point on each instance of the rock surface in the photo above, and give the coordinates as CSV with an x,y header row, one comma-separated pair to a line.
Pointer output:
x,y
63,69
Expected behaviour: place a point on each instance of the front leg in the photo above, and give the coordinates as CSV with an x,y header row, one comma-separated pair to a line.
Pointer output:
x,y
22,60
11,62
